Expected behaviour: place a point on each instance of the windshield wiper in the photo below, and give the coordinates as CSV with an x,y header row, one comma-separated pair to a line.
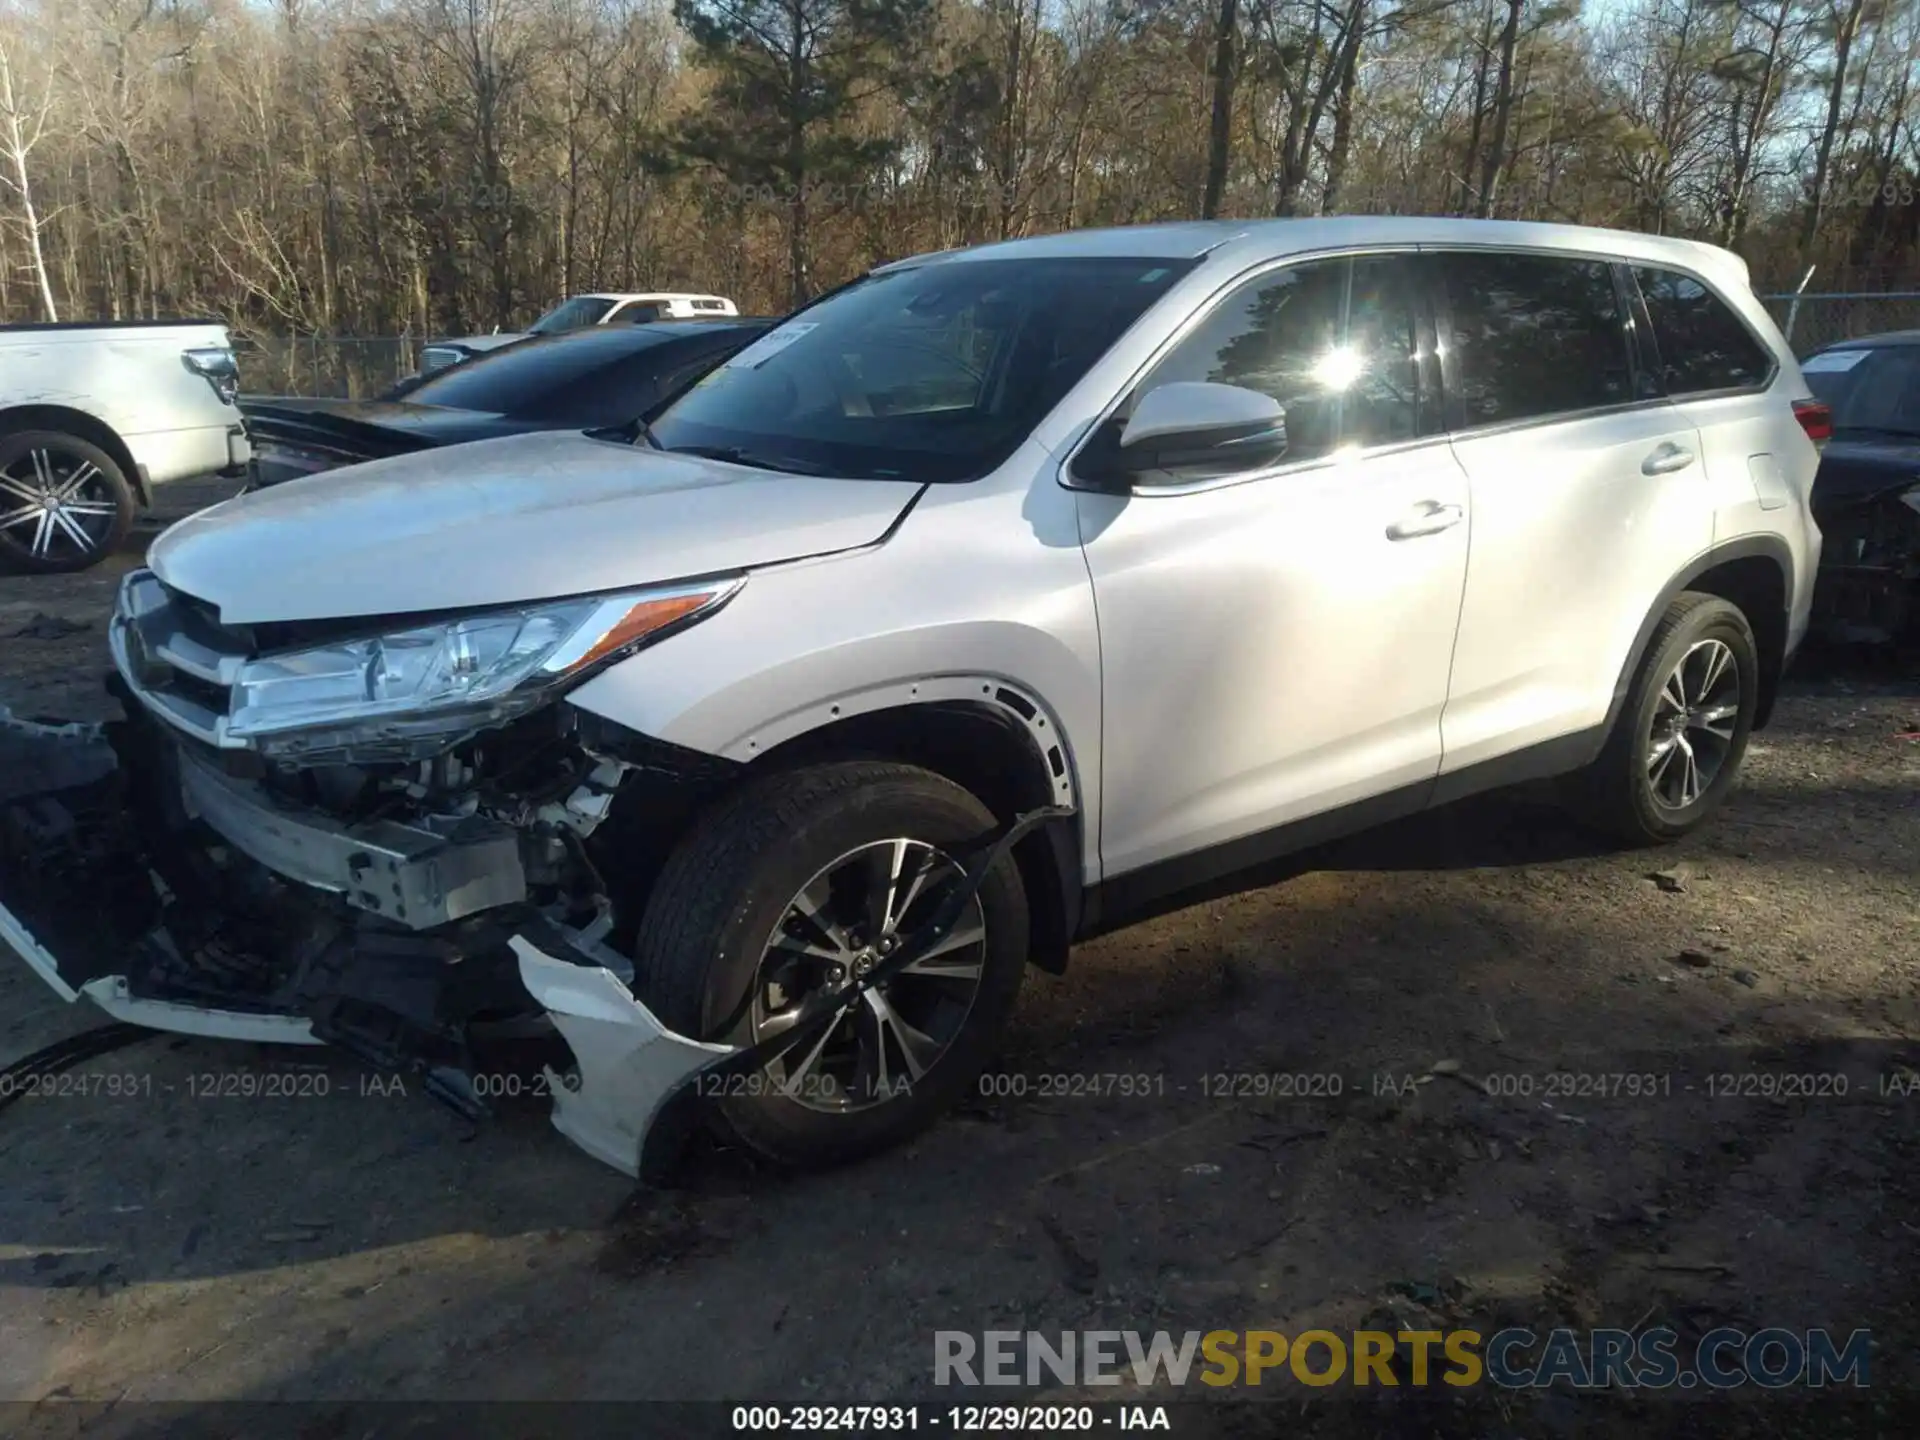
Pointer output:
x,y
740,455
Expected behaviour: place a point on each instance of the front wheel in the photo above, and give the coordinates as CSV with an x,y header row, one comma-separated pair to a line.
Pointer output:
x,y
1679,739
64,503
794,886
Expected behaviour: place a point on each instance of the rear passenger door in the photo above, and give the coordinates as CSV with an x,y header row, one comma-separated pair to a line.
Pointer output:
x,y
1712,366
1587,494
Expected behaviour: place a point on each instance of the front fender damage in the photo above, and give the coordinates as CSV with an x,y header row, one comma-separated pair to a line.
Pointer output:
x,y
112,890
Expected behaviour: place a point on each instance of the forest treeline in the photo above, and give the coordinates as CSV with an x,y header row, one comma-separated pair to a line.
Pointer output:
x,y
388,167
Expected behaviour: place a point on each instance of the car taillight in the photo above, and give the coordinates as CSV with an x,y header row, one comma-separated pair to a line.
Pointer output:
x,y
1815,418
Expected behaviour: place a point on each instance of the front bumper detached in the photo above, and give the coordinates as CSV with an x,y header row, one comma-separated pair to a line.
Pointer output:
x,y
115,889
142,878
419,878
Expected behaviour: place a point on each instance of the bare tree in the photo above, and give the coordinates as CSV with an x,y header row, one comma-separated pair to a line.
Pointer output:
x,y
23,121
1841,21
1226,65
389,167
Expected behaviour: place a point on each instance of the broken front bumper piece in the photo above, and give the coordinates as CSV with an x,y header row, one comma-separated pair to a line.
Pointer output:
x,y
119,881
112,894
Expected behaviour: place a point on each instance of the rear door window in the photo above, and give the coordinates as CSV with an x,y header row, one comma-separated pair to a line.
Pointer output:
x,y
1704,346
1533,336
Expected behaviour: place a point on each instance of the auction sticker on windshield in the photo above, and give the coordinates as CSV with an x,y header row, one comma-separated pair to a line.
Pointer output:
x,y
768,346
1831,360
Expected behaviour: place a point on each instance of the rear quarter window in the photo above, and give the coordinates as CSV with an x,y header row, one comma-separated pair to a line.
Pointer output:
x,y
1704,345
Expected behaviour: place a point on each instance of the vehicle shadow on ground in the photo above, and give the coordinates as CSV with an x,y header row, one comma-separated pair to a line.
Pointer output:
x,y
276,1122
1066,1213
335,1162
362,1243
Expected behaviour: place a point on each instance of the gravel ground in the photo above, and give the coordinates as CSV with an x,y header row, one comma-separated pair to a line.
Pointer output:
x,y
359,1244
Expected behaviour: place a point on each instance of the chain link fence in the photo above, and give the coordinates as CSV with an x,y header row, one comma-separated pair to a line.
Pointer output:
x,y
1811,321
335,367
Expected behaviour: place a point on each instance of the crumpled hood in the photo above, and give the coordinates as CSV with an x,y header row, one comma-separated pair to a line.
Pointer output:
x,y
528,517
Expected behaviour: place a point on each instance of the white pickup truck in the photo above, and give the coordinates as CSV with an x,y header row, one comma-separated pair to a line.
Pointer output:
x,y
92,417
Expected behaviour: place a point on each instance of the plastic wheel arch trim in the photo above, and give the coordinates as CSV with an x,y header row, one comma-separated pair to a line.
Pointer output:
x,y
1009,698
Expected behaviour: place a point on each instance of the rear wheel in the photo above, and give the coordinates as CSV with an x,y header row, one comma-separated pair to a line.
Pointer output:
x,y
797,885
1680,737
64,502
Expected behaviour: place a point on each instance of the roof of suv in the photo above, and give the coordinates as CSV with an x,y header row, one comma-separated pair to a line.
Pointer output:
x,y
1189,240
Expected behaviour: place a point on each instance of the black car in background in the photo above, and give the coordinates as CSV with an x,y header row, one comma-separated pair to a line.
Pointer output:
x,y
592,379
1866,498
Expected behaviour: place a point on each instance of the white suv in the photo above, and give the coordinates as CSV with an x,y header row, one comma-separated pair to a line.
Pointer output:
x,y
988,601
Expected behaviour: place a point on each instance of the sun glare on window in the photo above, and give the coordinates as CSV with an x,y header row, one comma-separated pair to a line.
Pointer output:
x,y
1339,368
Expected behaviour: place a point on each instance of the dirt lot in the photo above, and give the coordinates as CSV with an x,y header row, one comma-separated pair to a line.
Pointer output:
x,y
362,1245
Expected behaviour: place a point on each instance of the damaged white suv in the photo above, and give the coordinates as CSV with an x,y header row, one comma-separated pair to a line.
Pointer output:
x,y
984,603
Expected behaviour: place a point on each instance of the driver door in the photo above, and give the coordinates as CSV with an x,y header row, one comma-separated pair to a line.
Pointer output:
x,y
1276,645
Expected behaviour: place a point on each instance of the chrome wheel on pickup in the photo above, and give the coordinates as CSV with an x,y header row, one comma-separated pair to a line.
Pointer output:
x,y
64,503
793,887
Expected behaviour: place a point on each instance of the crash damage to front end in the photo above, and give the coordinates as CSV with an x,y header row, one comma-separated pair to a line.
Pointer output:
x,y
396,883
386,892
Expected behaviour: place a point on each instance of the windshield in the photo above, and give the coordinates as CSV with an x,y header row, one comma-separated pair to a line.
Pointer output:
x,y
574,314
1869,389
935,373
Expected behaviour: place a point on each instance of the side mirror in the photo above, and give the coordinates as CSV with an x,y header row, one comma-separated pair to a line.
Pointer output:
x,y
1196,425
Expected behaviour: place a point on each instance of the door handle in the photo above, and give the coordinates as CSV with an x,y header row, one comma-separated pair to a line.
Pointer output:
x,y
1429,517
1666,458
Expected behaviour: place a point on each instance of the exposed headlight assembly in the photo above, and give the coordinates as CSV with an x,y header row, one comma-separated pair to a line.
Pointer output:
x,y
452,675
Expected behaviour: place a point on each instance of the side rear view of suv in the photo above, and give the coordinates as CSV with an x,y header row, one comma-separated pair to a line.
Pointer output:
x,y
984,603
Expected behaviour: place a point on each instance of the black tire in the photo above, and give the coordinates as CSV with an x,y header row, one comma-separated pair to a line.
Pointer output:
x,y
31,461
713,912
1631,790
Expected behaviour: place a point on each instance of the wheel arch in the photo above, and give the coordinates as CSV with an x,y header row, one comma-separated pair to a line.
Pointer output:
x,y
82,426
986,734
1754,572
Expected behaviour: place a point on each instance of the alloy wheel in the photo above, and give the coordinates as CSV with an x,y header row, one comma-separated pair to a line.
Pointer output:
x,y
56,505
848,918
1694,719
